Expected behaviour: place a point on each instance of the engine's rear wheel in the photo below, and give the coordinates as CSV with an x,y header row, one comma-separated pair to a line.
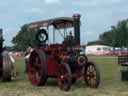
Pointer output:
x,y
92,75
65,79
37,68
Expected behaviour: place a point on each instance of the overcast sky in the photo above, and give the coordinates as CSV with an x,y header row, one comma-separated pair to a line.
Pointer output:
x,y
97,15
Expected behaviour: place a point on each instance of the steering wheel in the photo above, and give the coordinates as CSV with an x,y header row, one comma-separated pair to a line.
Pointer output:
x,y
41,36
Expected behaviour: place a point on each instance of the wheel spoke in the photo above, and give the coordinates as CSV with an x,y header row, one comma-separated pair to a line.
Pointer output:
x,y
91,68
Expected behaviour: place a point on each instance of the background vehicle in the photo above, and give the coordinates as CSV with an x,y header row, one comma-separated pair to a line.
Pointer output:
x,y
5,61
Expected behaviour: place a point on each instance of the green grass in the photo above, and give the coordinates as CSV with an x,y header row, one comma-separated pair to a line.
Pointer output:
x,y
111,84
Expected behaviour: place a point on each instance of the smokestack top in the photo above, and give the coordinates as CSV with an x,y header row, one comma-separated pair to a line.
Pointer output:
x,y
76,16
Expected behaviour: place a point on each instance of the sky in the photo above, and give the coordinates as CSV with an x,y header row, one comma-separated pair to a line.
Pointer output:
x,y
97,16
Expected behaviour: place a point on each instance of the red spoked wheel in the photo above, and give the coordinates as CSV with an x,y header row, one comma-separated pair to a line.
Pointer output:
x,y
92,75
37,68
65,80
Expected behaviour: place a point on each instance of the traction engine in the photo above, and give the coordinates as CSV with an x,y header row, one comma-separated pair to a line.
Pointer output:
x,y
62,61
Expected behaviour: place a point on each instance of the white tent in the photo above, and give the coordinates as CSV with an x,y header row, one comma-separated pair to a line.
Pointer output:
x,y
98,49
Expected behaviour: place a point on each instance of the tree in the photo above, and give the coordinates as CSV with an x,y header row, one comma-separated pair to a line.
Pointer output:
x,y
117,36
24,38
107,37
97,42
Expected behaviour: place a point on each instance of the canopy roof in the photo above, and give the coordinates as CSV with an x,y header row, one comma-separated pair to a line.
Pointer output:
x,y
58,23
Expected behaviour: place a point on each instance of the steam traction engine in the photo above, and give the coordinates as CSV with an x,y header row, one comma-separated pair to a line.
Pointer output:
x,y
61,59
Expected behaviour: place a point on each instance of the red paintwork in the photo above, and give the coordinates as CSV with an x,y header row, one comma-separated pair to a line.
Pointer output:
x,y
54,53
53,67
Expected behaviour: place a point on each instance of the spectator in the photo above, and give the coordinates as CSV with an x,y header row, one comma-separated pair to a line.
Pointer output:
x,y
13,65
26,57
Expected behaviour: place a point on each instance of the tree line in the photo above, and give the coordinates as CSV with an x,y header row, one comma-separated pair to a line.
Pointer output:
x,y
117,36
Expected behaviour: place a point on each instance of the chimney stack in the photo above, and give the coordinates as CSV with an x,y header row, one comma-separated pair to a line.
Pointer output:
x,y
76,18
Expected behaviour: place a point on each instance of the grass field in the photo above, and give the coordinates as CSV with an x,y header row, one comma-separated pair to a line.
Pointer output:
x,y
111,84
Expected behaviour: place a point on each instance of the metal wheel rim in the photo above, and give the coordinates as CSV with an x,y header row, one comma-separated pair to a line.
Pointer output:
x,y
90,75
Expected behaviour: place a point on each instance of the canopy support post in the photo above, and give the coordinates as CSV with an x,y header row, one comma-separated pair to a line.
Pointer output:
x,y
53,35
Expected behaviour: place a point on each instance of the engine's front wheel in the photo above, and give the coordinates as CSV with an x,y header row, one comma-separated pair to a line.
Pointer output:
x,y
92,75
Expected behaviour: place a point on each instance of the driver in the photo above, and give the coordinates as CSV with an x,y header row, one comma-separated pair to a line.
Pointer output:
x,y
69,40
